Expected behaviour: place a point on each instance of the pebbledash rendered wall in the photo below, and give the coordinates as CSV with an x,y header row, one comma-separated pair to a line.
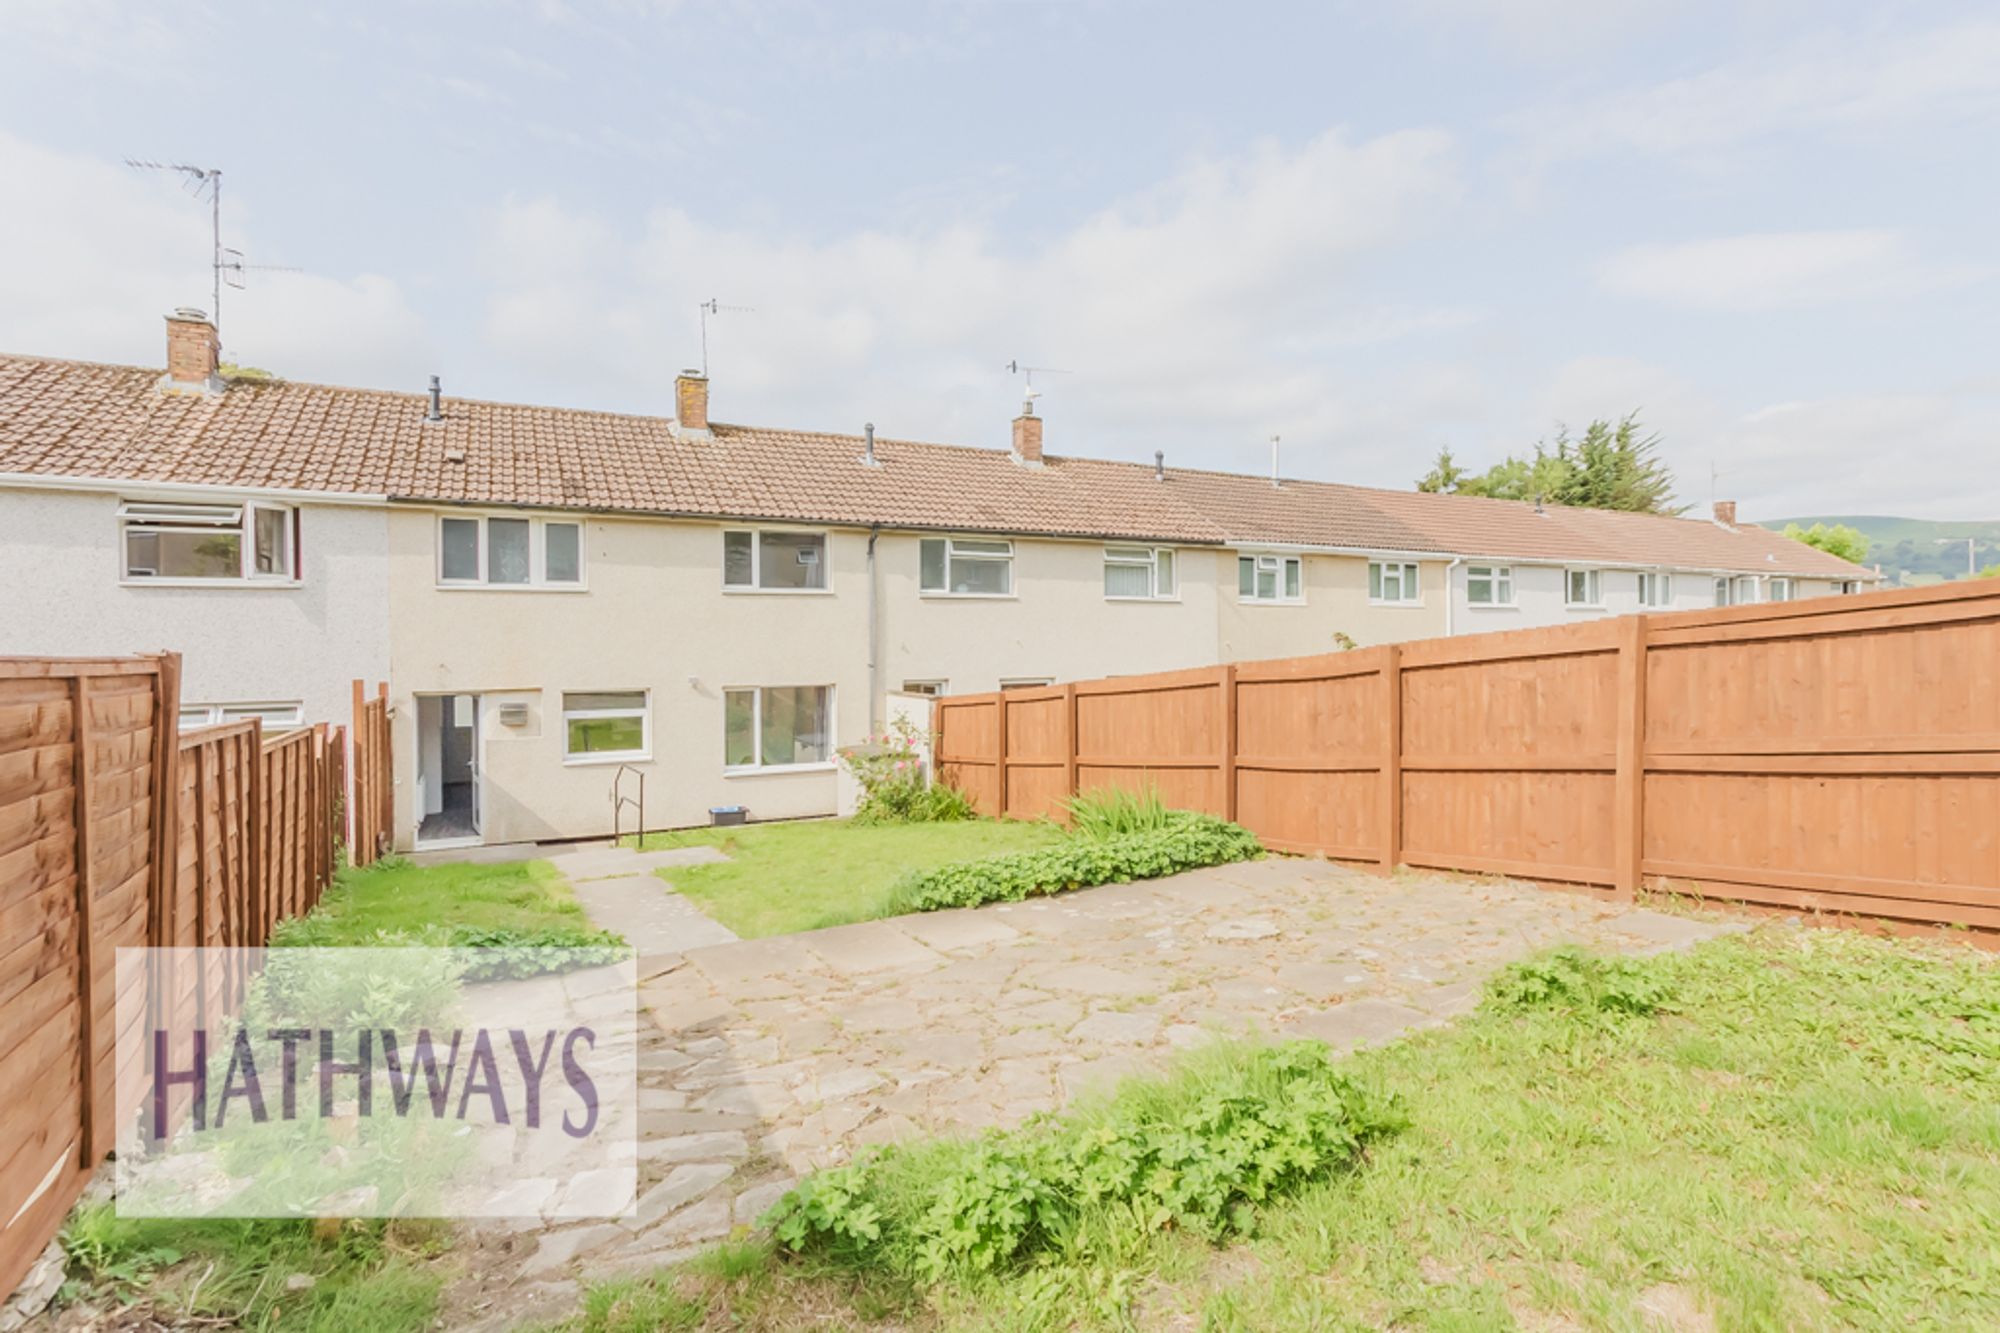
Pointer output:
x,y
61,594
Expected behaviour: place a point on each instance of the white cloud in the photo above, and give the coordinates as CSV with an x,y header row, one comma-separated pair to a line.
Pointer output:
x,y
91,275
1775,270
1908,454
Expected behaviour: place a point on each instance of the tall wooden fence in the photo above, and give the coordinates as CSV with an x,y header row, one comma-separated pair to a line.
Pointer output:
x,y
116,830
1839,754
371,811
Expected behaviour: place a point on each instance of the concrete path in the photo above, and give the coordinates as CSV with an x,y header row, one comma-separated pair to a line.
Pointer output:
x,y
777,1055
619,891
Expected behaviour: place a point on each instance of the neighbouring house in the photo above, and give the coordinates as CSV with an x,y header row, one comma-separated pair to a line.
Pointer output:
x,y
561,597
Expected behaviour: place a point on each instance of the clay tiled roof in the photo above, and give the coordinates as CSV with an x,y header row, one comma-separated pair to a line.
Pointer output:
x,y
79,419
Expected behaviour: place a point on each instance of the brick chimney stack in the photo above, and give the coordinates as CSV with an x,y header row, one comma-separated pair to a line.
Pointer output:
x,y
1725,513
691,402
194,354
1028,436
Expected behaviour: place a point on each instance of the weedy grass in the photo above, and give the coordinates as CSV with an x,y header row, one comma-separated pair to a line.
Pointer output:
x,y
409,901
1786,1129
235,1273
1115,812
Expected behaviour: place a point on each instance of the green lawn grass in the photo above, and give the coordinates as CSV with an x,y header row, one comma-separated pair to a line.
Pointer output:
x,y
396,895
1808,1136
787,877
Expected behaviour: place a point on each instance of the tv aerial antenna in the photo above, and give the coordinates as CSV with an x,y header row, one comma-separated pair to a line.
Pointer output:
x,y
713,306
227,265
1028,373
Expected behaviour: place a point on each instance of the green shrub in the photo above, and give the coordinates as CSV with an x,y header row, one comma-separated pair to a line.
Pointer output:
x,y
1187,841
1113,812
895,788
1197,1152
1570,978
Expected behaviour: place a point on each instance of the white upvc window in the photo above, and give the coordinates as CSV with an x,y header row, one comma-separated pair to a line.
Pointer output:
x,y
1393,583
1139,574
930,689
1847,587
757,560
607,726
1489,585
1738,591
1270,578
505,551
275,716
966,567
1583,587
1778,590
1656,589
1027,682
171,543
768,728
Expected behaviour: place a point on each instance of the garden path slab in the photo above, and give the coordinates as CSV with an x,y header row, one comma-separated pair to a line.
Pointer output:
x,y
768,1058
618,890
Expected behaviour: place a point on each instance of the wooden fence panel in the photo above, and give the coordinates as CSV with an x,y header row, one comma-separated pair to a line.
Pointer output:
x,y
1839,754
371,814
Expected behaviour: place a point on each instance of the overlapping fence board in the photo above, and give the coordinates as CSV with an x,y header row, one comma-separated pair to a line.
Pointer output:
x,y
118,831
1837,754
371,812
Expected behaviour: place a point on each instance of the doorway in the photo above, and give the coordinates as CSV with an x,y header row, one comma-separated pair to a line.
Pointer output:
x,y
447,769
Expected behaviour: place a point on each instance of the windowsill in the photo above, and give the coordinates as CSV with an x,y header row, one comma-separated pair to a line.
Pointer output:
x,y
512,587
1417,605
129,582
1493,606
1169,601
969,596
1270,601
773,770
604,760
728,591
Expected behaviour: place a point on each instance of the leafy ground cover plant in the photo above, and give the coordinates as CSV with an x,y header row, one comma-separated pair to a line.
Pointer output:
x,y
1577,981
1186,841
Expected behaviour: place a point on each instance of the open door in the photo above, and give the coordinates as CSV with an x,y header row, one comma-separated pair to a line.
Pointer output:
x,y
447,768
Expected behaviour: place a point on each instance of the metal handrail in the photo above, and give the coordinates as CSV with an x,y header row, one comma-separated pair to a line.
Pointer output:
x,y
619,800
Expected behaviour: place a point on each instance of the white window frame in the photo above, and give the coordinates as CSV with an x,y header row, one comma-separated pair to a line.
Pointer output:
x,y
1409,583
929,689
951,553
1847,587
538,554
756,585
1026,682
643,754
239,517
1593,580
757,765
1776,582
216,714
1148,558
1498,576
1274,563
1655,589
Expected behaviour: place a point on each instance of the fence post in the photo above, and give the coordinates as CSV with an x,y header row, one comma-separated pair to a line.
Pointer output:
x,y
1628,818
386,775
1392,757
163,883
357,780
83,772
1228,692
1069,738
1000,753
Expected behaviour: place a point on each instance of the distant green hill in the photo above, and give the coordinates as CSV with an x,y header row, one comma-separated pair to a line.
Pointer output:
x,y
1913,551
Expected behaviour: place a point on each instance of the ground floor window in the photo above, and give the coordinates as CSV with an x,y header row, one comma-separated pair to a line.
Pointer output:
x,y
606,725
1489,585
273,715
1655,589
777,726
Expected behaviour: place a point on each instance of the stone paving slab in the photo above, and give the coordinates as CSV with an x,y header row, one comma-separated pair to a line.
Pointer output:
x,y
652,917
768,1058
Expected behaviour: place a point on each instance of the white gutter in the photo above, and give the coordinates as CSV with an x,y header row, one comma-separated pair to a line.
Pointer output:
x,y
132,487
1549,561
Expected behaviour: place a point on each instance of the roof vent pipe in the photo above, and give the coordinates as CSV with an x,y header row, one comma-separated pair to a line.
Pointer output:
x,y
1274,460
868,458
436,412
1159,465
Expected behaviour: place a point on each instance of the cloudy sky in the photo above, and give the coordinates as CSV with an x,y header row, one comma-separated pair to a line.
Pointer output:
x,y
1374,230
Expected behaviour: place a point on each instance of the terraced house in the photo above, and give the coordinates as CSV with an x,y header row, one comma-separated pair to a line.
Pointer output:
x,y
555,595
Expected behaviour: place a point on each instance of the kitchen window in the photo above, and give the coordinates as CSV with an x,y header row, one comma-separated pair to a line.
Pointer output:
x,y
777,727
1139,573
1656,590
1270,578
502,552
1583,587
1392,583
606,726
757,561
209,543
965,567
1489,585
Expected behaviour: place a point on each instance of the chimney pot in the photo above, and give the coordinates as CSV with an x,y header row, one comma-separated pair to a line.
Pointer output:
x,y
1159,465
1028,436
868,458
436,410
1725,513
194,354
691,402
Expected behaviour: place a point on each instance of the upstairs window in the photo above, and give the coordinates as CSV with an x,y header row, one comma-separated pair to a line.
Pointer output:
x,y
210,543
500,552
1656,589
1583,587
774,561
963,567
1270,578
1489,585
1139,573
1392,583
